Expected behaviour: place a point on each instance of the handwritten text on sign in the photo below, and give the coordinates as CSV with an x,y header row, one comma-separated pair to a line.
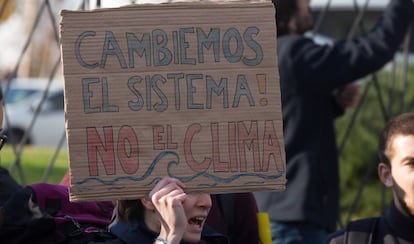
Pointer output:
x,y
198,101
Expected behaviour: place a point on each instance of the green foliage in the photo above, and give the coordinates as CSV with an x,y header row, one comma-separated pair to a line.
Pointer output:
x,y
34,162
386,96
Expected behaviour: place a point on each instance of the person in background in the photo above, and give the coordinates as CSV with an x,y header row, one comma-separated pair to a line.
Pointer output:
x,y
316,88
167,216
396,171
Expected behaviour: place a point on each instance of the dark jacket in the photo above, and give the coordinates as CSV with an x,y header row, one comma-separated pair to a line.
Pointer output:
x,y
395,227
137,232
235,215
309,74
42,213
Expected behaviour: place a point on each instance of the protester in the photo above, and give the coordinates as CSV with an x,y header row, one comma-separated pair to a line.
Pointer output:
x,y
168,215
313,78
233,214
42,213
396,171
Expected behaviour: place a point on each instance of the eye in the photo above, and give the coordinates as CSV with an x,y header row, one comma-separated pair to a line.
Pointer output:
x,y
410,163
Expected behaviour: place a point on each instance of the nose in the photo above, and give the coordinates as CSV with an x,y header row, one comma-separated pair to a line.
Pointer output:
x,y
204,200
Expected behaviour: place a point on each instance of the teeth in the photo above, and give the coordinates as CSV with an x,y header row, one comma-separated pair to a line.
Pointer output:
x,y
197,220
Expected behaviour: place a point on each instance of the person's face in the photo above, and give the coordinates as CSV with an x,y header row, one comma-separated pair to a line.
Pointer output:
x,y
302,20
400,177
196,208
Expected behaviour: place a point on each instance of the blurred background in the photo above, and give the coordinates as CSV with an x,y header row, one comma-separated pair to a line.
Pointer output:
x,y
32,82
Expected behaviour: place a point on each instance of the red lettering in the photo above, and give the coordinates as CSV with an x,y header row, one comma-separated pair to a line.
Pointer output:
x,y
217,165
159,144
128,150
232,146
170,143
194,165
106,152
271,148
157,130
250,139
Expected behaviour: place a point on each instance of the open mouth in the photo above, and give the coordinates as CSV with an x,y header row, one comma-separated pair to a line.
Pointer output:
x,y
197,221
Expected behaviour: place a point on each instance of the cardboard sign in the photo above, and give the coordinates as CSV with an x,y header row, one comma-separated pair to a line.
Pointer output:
x,y
186,90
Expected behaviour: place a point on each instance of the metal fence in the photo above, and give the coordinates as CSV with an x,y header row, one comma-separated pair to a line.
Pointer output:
x,y
30,48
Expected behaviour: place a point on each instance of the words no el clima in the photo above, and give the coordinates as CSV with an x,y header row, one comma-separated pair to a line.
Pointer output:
x,y
160,48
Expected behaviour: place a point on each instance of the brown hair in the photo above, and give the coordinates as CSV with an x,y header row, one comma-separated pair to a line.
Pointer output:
x,y
129,210
400,125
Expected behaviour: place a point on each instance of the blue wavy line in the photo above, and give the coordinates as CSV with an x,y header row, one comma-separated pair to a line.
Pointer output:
x,y
219,179
255,183
154,181
161,155
131,178
229,179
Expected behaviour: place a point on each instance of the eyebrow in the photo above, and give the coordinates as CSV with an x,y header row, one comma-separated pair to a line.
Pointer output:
x,y
407,158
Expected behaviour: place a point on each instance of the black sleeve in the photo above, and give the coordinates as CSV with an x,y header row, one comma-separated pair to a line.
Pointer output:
x,y
329,66
8,185
337,109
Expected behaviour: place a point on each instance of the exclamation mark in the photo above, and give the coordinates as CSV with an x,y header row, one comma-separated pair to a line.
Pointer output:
x,y
261,83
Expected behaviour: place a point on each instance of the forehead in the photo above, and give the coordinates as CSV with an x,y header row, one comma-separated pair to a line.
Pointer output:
x,y
401,146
